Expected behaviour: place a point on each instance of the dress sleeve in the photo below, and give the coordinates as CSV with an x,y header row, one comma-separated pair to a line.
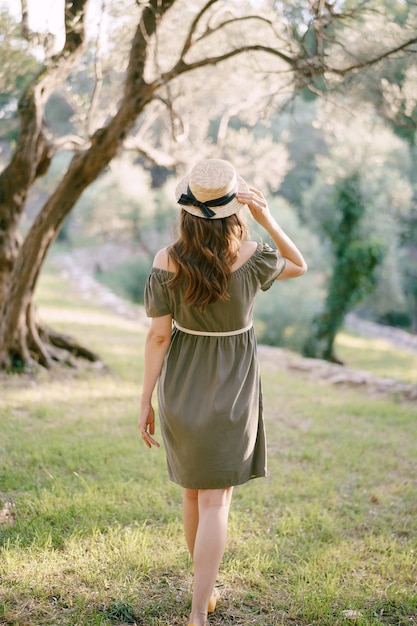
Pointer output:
x,y
155,295
270,266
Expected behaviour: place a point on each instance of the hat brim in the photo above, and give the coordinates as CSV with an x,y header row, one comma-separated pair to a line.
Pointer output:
x,y
232,207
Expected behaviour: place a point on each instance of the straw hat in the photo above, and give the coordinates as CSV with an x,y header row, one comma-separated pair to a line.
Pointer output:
x,y
209,190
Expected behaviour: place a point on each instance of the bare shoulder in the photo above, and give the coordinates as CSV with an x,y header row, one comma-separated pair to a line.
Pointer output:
x,y
161,259
247,249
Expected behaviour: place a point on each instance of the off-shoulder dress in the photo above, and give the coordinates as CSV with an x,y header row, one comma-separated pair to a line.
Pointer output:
x,y
209,389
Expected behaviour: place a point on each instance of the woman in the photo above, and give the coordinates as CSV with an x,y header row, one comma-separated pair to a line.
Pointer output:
x,y
202,348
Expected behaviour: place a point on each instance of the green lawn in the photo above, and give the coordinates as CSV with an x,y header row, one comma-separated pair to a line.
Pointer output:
x,y
329,538
377,356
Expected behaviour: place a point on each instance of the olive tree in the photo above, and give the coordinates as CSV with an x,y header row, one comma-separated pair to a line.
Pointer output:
x,y
358,202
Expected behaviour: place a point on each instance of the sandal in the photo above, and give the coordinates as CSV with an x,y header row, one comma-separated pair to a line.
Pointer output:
x,y
213,601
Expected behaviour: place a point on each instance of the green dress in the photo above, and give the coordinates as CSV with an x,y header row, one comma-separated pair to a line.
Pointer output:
x,y
209,389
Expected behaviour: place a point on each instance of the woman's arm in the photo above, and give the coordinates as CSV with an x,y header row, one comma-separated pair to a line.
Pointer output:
x,y
156,346
295,263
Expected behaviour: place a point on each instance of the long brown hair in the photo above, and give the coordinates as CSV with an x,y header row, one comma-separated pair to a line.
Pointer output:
x,y
203,254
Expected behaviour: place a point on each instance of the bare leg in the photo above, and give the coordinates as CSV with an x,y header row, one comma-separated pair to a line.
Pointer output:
x,y
210,542
190,517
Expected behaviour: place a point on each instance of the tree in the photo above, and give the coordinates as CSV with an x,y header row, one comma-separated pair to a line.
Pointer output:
x,y
18,67
357,203
394,96
390,89
296,54
353,274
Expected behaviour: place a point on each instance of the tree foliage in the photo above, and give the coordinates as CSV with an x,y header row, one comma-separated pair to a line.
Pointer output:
x,y
360,197
353,272
17,69
287,48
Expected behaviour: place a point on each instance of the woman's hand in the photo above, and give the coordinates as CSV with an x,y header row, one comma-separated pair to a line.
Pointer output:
x,y
257,204
146,424
295,263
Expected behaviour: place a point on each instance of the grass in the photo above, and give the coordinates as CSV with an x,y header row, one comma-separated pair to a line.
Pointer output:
x,y
377,356
329,538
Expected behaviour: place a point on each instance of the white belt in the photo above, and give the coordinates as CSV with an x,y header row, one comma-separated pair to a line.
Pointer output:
x,y
205,333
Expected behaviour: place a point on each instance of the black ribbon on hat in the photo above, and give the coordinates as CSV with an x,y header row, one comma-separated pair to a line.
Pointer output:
x,y
189,199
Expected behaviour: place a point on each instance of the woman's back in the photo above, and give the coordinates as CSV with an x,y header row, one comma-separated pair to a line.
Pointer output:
x,y
256,267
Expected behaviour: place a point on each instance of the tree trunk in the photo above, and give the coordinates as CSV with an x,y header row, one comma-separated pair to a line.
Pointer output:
x,y
324,328
33,153
19,332
23,340
32,156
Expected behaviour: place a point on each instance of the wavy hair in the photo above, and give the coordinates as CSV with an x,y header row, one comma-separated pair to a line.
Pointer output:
x,y
203,254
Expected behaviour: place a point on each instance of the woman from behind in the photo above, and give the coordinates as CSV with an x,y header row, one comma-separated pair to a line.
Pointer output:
x,y
201,350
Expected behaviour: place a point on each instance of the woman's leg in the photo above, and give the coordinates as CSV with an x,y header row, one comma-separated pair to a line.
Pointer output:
x,y
210,542
190,517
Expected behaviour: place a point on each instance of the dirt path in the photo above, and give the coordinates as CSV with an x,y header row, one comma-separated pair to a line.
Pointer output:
x,y
317,369
80,272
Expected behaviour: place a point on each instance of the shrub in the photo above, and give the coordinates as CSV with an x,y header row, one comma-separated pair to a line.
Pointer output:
x,y
283,314
128,279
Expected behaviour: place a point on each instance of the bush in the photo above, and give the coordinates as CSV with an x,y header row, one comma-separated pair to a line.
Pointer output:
x,y
399,319
283,314
128,279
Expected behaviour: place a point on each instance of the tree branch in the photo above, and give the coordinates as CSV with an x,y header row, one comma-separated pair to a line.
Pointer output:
x,y
155,156
175,118
189,39
181,67
70,142
74,26
147,26
98,84
25,20
33,148
370,62
234,20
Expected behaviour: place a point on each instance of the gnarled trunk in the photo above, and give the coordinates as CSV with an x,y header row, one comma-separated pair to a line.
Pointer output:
x,y
19,331
23,340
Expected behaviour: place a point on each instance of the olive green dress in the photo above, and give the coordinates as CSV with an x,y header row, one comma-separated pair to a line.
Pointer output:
x,y
209,390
